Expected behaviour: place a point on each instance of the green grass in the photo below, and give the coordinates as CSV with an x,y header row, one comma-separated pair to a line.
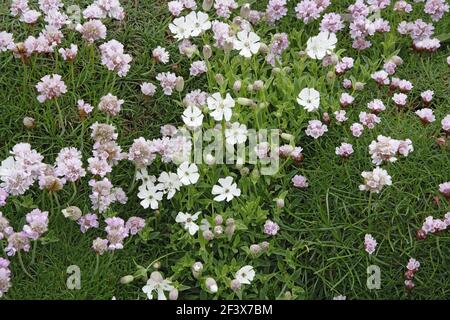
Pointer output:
x,y
319,250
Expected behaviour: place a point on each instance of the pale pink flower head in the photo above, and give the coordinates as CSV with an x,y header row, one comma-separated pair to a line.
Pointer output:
x,y
37,224
142,152
88,221
92,30
357,129
276,9
187,48
6,41
5,229
346,100
427,96
3,197
56,18
345,150
271,228
370,244
84,108
19,7
341,116
400,99
381,77
436,8
114,58
134,225
347,83
426,115
332,22
224,7
197,68
444,189
69,54
405,86
116,232
168,82
375,180
307,11
100,246
300,181
17,241
160,55
316,129
413,265
175,7
369,119
405,147
50,87
110,104
148,89
99,166
30,16
376,106
384,149
48,5
446,123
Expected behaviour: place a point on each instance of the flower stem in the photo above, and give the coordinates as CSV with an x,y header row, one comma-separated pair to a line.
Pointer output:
x,y
23,266
60,115
97,262
33,255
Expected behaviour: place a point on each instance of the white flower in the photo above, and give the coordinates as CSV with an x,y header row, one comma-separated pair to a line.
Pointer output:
x,y
180,29
188,173
171,183
226,191
159,284
150,194
247,43
192,117
187,221
245,275
221,108
375,180
319,46
237,134
309,98
198,22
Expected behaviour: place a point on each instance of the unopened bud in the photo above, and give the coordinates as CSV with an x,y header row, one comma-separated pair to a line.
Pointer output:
x,y
326,118
72,213
244,171
263,48
211,285
210,159
173,294
246,102
235,285
207,5
126,279
29,122
237,85
276,70
287,137
255,248
218,220
179,84
264,245
219,79
157,265
280,203
258,85
197,269
250,88
228,45
208,235
245,11
330,75
207,52
359,86
230,229
218,230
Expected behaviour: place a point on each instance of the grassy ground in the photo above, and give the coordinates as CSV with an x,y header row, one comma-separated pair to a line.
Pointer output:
x,y
322,229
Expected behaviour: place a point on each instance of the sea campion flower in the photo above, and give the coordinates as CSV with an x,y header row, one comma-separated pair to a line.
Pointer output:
x,y
309,98
188,173
110,104
247,43
316,129
271,228
221,108
50,87
319,46
370,244
171,183
192,117
198,23
225,190
375,180
345,150
300,182
188,221
114,58
150,194
156,283
237,134
245,275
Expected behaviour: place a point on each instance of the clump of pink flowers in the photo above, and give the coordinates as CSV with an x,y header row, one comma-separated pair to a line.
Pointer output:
x,y
345,150
432,225
375,180
110,104
114,58
5,277
386,149
50,87
370,244
300,181
411,269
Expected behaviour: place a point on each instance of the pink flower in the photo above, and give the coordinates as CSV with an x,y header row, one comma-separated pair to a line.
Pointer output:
x,y
37,224
346,100
375,180
224,7
344,150
316,129
116,232
175,8
402,6
300,181
307,10
370,244
160,55
92,30
6,41
405,86
446,123
86,108
197,68
340,116
413,265
271,228
444,189
148,89
3,196
331,22
426,115
187,48
70,53
114,58
69,164
110,104
347,83
87,222
19,7
17,241
376,106
134,225
381,77
356,129
276,9
100,246
369,119
427,96
400,99
436,8
50,87
168,82
30,16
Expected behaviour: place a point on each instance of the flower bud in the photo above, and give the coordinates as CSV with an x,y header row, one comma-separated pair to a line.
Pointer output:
x,y
326,118
207,52
207,5
29,122
397,60
218,230
255,174
255,249
230,221
287,70
173,294
219,79
250,88
237,85
359,86
126,279
230,229
211,285
263,48
409,284
409,274
179,84
264,245
330,75
235,285
244,171
157,265
280,203
258,85
287,137
197,269
246,102
72,213
441,141
421,235
228,45
218,220
208,235
276,70
245,11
